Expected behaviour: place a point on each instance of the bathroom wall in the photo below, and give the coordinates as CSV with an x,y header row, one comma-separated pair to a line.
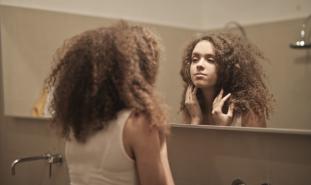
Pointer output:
x,y
24,137
288,72
198,156
21,137
30,37
197,14
201,156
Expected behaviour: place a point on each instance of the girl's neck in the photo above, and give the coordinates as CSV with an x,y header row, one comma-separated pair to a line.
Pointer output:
x,y
209,96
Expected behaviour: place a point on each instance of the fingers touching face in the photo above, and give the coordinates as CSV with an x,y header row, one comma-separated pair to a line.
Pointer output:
x,y
191,93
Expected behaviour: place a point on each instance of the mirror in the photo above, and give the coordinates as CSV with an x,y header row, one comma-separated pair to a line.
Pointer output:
x,y
29,37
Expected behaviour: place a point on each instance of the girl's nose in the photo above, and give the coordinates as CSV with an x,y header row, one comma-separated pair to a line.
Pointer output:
x,y
200,65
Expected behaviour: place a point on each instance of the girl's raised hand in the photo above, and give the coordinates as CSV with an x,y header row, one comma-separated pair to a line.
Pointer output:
x,y
192,105
218,116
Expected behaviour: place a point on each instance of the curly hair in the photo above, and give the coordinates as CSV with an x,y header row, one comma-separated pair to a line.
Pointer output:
x,y
100,72
239,72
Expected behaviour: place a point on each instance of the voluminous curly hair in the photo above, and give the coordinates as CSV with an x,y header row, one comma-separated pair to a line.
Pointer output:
x,y
101,72
239,71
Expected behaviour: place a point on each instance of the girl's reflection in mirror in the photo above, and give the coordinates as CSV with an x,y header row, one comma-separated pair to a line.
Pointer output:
x,y
224,82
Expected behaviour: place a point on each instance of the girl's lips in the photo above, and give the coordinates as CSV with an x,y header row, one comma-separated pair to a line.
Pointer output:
x,y
200,74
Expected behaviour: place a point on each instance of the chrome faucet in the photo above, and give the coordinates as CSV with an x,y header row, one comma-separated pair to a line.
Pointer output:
x,y
50,158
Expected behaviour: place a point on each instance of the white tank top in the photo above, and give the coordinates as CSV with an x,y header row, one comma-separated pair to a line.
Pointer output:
x,y
102,160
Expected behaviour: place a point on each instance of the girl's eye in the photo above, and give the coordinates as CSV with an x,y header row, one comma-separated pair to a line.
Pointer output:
x,y
210,60
195,59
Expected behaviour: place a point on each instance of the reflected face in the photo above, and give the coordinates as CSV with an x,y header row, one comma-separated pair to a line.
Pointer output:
x,y
203,69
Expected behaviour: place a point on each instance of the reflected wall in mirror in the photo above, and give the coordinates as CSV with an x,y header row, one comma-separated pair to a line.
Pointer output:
x,y
29,38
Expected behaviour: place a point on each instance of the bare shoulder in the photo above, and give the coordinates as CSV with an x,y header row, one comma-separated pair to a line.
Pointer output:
x,y
138,132
138,123
253,120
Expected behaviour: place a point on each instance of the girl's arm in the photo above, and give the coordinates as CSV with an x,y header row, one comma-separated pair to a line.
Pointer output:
x,y
150,154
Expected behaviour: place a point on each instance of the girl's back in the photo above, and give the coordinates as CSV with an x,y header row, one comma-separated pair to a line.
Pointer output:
x,y
102,159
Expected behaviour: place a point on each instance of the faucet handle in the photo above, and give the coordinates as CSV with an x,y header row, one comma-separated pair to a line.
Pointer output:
x,y
50,170
53,158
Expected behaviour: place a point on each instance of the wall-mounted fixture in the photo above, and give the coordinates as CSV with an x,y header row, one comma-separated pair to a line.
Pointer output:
x,y
50,158
304,41
238,182
235,25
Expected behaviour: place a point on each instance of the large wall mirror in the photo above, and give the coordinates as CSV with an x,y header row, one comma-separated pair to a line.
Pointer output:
x,y
29,37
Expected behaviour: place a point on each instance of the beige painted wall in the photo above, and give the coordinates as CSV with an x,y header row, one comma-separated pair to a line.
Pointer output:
x,y
288,72
28,44
198,14
30,37
217,157
198,156
20,137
